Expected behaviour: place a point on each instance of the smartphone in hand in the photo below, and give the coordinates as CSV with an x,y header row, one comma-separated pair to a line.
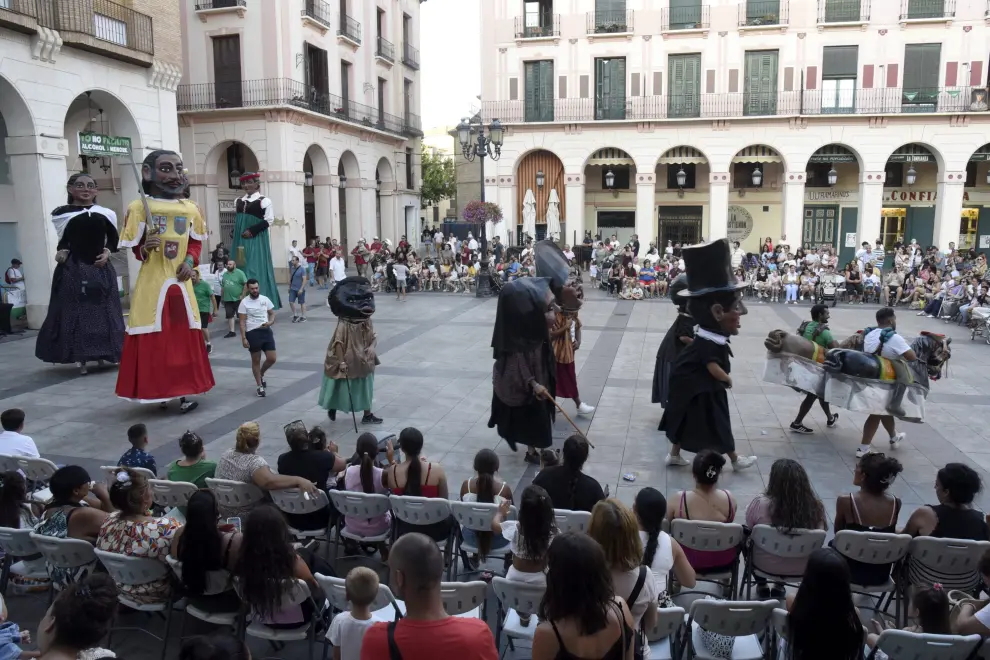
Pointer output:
x,y
235,523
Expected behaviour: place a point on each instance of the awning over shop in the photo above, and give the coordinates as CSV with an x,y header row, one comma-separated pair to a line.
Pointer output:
x,y
610,156
757,154
833,153
683,156
982,154
911,153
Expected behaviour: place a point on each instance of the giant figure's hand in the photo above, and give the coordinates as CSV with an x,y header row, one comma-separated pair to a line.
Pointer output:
x,y
102,260
247,234
152,242
183,272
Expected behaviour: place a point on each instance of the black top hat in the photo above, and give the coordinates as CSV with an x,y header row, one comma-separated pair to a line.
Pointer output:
x,y
709,269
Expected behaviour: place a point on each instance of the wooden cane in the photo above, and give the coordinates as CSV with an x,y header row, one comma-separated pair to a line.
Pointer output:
x,y
580,432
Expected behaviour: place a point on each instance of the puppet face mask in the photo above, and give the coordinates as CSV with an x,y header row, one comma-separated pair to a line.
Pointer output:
x,y
352,299
730,320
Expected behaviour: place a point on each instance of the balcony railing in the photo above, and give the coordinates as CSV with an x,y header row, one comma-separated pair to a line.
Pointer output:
x,y
274,92
610,22
319,11
385,49
882,101
547,25
99,19
843,11
349,28
410,56
923,9
413,125
539,109
756,13
203,5
27,8
695,17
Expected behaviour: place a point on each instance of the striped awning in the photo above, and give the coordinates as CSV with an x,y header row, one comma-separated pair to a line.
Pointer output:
x,y
683,156
912,153
833,153
757,154
610,156
981,154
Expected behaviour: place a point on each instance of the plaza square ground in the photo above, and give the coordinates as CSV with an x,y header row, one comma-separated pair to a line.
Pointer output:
x,y
435,374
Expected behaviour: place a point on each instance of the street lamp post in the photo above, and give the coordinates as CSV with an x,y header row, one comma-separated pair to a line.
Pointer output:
x,y
483,146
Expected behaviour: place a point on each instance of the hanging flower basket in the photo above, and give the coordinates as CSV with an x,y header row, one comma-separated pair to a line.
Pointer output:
x,y
482,212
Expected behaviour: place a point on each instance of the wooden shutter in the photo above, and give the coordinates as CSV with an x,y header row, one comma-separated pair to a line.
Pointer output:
x,y
610,88
538,92
921,66
227,70
685,13
761,82
976,73
684,84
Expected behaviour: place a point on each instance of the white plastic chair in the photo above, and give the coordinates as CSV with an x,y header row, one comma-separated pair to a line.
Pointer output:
x,y
15,543
294,594
903,644
37,470
384,608
706,536
217,582
7,463
464,599
171,494
572,521
234,494
798,543
875,548
663,636
292,500
64,553
515,598
110,471
136,571
358,505
476,516
745,620
780,628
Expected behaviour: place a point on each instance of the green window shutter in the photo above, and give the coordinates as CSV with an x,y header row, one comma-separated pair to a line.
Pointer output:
x,y
839,61
610,88
926,8
539,90
921,69
684,85
761,83
685,14
610,5
762,12
838,11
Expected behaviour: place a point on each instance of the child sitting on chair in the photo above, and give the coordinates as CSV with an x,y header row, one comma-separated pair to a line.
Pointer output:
x,y
347,629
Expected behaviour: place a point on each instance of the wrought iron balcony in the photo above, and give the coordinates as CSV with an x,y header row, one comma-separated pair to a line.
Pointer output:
x,y
385,50
319,12
758,13
20,15
548,25
205,5
610,22
695,17
99,26
410,56
349,29
927,9
413,125
843,11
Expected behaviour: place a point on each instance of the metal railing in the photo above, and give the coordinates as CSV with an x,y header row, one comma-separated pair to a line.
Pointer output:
x,y
538,109
219,4
915,9
843,11
610,22
548,26
385,49
101,19
695,17
754,13
413,125
319,11
21,7
881,101
288,92
410,56
349,28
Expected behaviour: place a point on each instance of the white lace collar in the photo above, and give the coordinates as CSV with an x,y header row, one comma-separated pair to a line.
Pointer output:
x,y
721,340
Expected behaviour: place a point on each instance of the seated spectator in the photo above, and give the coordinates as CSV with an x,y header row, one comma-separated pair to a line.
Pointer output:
x,y
871,509
74,512
660,552
347,629
930,609
16,510
529,537
822,620
12,441
317,466
974,616
242,464
204,546
26,573
317,438
486,487
789,503
366,477
581,615
130,531
215,646
614,526
568,487
264,560
426,631
137,456
954,517
407,478
193,467
706,502
78,619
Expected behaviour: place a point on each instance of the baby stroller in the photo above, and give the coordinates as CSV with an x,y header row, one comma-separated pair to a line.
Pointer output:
x,y
827,291
979,320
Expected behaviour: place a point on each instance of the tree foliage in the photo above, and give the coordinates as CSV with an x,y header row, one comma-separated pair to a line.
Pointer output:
x,y
439,182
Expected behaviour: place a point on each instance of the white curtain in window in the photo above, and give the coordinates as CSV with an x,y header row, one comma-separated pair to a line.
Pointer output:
x,y
109,29
838,93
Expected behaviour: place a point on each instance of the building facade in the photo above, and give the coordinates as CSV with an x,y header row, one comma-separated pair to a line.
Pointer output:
x,y
322,98
807,121
69,67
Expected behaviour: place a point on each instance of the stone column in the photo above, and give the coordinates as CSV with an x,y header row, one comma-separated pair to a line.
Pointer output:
x,y
38,170
574,198
352,201
948,208
288,204
718,206
792,220
391,229
506,188
646,208
335,230
870,206
323,211
369,222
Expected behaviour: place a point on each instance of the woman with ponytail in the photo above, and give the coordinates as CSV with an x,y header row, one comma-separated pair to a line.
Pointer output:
x,y
660,552
486,487
365,477
410,478
568,487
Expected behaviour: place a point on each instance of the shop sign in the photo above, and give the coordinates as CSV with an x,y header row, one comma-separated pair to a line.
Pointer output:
x,y
911,158
827,195
985,241
896,195
740,224
228,205
104,146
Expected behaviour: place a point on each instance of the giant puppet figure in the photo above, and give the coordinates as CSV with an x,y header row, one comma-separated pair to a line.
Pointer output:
x,y
697,413
349,366
164,354
85,322
251,240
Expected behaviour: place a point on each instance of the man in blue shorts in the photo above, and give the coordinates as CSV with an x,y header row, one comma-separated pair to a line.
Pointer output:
x,y
297,290
257,316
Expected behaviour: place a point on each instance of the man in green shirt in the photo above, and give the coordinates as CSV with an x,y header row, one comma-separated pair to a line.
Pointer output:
x,y
816,331
207,305
233,283
193,467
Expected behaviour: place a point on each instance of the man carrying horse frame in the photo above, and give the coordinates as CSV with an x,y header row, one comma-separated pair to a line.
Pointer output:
x,y
817,332
885,342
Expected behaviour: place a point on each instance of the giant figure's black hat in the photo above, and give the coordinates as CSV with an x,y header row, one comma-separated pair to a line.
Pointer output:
x,y
709,269
551,263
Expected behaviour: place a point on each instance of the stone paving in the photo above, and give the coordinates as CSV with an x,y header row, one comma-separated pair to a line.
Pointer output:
x,y
436,375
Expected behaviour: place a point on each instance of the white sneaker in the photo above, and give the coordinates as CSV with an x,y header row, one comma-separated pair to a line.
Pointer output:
x,y
895,441
743,462
863,450
676,461
584,410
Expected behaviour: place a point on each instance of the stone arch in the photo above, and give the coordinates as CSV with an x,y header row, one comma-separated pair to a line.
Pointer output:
x,y
215,167
319,162
527,170
926,146
317,205
683,153
384,171
15,111
759,156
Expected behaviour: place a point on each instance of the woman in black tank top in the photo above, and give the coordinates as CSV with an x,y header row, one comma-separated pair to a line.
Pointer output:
x,y
954,517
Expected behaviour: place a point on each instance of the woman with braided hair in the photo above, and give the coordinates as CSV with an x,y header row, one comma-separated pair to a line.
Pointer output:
x,y
660,552
568,487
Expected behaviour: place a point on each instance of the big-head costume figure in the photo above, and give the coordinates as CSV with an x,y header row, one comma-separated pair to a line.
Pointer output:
x,y
251,240
164,355
349,367
697,413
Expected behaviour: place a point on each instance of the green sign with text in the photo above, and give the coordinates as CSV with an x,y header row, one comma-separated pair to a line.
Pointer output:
x,y
107,146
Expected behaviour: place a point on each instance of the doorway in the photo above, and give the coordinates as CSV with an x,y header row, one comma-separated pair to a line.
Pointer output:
x,y
620,223
227,71
679,224
819,226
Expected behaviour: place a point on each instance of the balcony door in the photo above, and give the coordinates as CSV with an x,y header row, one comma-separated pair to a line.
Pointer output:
x,y
539,18
839,67
684,85
920,86
842,11
317,78
539,90
761,83
685,14
227,71
610,88
925,9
